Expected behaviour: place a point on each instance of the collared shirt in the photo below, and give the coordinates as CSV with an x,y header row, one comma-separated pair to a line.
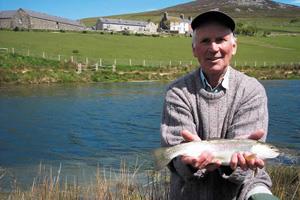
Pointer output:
x,y
224,84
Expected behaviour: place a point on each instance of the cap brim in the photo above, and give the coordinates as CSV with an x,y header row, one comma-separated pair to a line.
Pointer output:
x,y
213,16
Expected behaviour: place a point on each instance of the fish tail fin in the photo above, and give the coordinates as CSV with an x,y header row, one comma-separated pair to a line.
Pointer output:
x,y
161,157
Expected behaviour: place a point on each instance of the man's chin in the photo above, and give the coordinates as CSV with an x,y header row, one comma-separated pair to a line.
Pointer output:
x,y
214,68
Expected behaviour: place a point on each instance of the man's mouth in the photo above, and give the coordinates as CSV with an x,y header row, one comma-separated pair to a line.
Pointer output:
x,y
213,58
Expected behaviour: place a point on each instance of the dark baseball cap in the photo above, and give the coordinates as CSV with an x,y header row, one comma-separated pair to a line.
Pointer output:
x,y
213,16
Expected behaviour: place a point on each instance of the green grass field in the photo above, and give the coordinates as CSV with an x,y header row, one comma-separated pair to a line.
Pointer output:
x,y
272,50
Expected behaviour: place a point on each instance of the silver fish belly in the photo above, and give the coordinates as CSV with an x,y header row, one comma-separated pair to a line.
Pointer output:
x,y
221,149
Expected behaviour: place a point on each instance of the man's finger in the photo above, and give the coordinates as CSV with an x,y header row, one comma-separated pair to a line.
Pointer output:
x,y
259,163
242,161
233,162
188,136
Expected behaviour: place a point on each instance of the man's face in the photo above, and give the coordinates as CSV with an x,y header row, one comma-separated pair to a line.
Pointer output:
x,y
214,47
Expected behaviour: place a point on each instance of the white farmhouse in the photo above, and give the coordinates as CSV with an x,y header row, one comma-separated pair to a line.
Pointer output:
x,y
119,25
176,24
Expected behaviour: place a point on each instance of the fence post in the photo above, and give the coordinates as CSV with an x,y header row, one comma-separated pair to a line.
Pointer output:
x,y
79,68
100,62
13,50
179,63
265,63
86,61
170,64
28,53
144,63
72,59
129,62
255,64
115,61
96,67
113,68
58,57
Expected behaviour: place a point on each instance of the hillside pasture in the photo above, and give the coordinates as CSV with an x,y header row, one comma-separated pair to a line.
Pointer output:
x,y
253,51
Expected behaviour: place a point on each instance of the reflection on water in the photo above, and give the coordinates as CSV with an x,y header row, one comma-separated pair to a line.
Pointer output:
x,y
99,124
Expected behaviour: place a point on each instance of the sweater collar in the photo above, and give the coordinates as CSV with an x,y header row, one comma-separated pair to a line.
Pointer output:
x,y
223,84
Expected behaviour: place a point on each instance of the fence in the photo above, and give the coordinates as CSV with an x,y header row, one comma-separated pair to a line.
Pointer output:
x,y
86,63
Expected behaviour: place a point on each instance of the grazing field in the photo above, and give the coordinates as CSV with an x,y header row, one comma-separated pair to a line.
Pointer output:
x,y
253,51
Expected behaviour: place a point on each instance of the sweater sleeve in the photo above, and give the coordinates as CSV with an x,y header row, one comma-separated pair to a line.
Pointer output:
x,y
177,116
251,115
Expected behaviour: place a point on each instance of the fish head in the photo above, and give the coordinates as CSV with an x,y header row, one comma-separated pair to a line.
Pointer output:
x,y
264,151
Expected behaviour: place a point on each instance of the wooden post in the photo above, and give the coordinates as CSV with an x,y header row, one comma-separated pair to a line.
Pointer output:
x,y
72,59
96,67
265,63
255,64
44,55
86,61
13,50
170,64
100,62
58,57
179,63
113,68
115,61
129,62
79,68
144,63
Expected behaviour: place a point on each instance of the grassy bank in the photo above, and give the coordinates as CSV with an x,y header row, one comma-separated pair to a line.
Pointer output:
x,y
18,69
286,181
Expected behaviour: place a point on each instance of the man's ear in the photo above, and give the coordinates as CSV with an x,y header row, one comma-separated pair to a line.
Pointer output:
x,y
194,50
234,45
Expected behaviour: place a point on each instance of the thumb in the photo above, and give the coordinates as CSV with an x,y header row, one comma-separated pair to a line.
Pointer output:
x,y
188,136
257,134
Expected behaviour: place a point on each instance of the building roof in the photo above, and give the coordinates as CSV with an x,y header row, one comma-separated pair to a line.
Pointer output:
x,y
51,17
178,19
123,22
7,14
10,14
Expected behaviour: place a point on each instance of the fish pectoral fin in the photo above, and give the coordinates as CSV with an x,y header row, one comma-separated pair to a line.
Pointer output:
x,y
250,157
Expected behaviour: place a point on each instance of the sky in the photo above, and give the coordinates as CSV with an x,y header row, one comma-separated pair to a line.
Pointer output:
x,y
76,9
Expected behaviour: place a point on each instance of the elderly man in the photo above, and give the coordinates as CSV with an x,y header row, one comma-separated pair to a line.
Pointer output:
x,y
215,101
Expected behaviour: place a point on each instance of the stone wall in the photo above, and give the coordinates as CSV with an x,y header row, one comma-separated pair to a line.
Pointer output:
x,y
5,23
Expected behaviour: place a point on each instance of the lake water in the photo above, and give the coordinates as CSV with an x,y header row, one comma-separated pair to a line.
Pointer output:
x,y
82,126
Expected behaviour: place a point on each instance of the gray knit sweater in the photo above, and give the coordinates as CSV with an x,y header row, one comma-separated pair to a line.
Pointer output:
x,y
236,112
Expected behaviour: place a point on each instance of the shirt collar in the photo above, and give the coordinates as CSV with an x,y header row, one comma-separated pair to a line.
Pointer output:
x,y
224,83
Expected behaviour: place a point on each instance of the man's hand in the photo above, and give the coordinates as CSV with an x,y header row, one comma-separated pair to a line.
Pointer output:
x,y
244,159
205,160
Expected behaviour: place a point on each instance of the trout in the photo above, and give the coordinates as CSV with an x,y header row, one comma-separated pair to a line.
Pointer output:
x,y
221,149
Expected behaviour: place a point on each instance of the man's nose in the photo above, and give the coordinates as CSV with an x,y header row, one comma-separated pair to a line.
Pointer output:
x,y
214,47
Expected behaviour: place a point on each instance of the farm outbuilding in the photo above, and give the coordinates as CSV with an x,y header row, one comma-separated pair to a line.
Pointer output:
x,y
176,24
118,25
28,19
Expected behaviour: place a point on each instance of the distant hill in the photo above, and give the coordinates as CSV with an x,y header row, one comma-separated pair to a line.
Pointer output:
x,y
265,14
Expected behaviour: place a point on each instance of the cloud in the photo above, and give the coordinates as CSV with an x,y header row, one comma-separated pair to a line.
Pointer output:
x,y
295,2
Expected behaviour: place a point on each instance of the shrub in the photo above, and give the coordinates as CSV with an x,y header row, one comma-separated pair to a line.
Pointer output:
x,y
75,51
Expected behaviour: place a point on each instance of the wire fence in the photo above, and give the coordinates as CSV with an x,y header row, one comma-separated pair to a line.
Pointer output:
x,y
85,63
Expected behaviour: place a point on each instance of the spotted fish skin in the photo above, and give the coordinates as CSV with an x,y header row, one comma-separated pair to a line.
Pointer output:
x,y
221,149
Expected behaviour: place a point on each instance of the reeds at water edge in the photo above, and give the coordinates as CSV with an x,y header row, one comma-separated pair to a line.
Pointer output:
x,y
130,184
